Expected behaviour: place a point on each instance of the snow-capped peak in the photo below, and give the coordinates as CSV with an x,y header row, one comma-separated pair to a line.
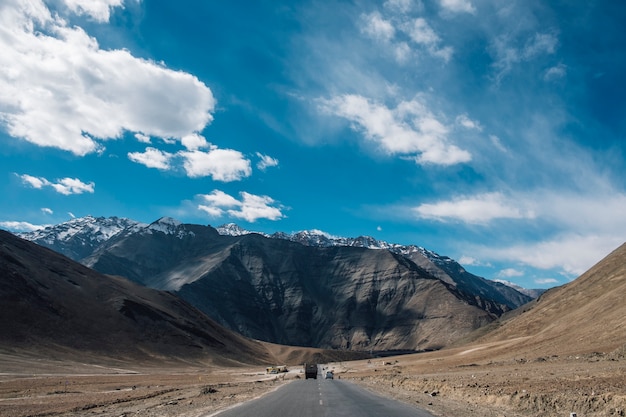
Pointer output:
x,y
169,226
98,229
232,229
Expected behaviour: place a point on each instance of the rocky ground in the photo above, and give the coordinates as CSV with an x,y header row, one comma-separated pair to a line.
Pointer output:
x,y
591,385
459,383
105,391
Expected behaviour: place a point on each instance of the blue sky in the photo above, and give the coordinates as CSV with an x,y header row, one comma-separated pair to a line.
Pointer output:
x,y
492,132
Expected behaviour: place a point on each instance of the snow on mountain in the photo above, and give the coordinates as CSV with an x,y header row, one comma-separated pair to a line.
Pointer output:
x,y
89,228
169,226
79,237
232,229
319,238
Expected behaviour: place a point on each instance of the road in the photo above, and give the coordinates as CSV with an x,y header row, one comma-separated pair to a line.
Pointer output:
x,y
323,398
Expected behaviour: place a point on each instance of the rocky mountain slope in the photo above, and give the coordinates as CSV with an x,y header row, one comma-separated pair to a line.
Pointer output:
x,y
284,292
51,305
304,289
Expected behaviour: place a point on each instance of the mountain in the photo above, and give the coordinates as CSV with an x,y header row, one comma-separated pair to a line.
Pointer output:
x,y
79,237
586,315
441,267
307,288
51,304
283,292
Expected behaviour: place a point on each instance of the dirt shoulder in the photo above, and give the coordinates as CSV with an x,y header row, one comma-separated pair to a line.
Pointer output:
x,y
115,392
591,385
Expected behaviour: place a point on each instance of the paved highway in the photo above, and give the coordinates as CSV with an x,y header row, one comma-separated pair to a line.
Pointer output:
x,y
323,398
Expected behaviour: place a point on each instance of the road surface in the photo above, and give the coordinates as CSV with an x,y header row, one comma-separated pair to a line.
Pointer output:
x,y
323,398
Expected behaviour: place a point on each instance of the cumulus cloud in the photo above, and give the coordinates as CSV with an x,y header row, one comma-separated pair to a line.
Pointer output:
x,y
17,226
249,207
408,129
152,158
221,164
194,141
224,165
46,210
59,89
479,209
65,186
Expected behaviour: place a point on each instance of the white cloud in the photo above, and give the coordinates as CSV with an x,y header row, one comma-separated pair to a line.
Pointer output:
x,y
65,186
479,209
21,226
408,129
221,164
577,229
59,89
541,43
194,142
555,73
250,207
466,122
142,138
377,27
546,281
497,143
99,10
458,6
152,158
508,53
46,210
572,253
422,34
510,273
471,261
266,162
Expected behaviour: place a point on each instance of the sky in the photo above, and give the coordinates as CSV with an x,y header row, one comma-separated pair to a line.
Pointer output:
x,y
489,131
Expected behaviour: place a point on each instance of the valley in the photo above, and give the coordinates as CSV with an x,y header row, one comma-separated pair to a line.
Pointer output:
x,y
78,342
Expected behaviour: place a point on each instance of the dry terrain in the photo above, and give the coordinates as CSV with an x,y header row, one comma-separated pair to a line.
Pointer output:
x,y
482,381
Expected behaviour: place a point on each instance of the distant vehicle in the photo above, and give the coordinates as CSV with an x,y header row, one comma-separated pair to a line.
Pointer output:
x,y
276,369
310,371
330,375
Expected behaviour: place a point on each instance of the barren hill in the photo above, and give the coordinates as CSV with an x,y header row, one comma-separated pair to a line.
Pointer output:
x,y
587,315
52,305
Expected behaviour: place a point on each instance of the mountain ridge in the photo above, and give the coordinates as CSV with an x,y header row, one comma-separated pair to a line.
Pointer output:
x,y
300,287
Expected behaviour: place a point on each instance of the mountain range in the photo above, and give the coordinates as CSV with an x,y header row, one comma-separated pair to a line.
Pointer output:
x,y
304,289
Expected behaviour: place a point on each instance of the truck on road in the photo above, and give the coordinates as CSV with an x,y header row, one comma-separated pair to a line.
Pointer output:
x,y
310,370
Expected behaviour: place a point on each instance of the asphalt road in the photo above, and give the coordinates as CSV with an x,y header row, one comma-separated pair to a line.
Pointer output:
x,y
323,398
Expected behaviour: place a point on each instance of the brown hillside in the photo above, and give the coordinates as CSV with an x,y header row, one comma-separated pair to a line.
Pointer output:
x,y
584,316
51,305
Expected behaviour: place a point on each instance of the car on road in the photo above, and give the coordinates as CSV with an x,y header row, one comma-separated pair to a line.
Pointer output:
x,y
330,375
